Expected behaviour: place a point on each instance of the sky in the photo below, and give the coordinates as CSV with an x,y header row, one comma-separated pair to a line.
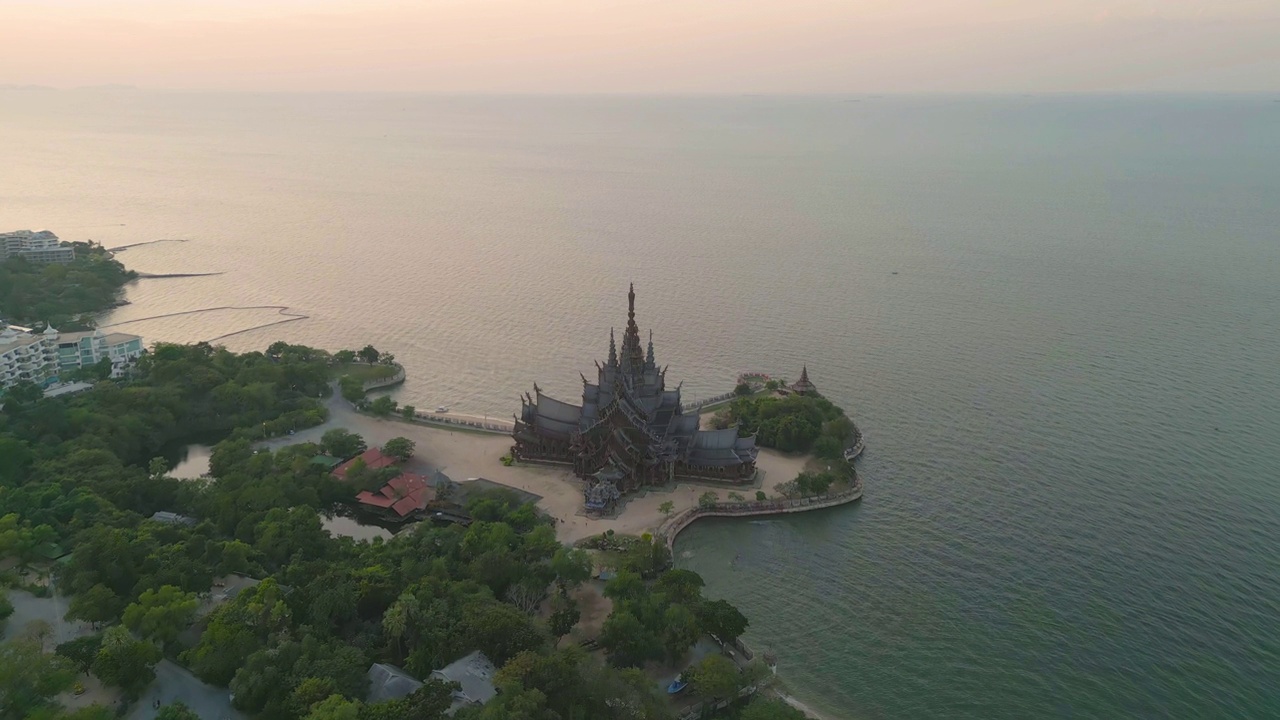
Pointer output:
x,y
646,46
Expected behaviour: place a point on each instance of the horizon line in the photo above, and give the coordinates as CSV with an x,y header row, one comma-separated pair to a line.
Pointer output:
x,y
124,87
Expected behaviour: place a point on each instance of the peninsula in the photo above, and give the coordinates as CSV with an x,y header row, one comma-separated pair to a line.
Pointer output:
x,y
227,597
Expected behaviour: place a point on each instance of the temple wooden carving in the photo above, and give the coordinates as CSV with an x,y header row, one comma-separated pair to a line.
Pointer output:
x,y
630,431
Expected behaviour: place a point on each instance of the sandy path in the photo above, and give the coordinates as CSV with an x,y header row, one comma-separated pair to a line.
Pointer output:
x,y
462,455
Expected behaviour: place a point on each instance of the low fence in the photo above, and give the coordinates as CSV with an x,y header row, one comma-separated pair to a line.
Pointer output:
x,y
673,527
482,425
754,379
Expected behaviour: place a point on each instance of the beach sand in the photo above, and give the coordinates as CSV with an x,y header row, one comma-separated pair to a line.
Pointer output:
x,y
462,455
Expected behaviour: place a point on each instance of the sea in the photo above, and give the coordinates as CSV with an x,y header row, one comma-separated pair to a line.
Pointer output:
x,y
1055,318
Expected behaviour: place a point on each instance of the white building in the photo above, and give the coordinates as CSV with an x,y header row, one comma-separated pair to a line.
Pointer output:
x,y
25,356
82,349
39,246
42,357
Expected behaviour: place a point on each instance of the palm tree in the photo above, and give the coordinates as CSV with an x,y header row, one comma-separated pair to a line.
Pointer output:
x,y
395,621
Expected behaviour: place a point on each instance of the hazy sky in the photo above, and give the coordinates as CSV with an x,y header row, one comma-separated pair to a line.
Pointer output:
x,y
646,46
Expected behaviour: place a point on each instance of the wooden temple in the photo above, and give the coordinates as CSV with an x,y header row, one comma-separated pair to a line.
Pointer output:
x,y
630,431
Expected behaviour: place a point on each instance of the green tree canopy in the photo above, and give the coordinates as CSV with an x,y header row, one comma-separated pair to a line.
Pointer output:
x,y
714,677
627,641
341,443
126,662
722,619
382,406
399,447
335,707
82,651
30,678
162,614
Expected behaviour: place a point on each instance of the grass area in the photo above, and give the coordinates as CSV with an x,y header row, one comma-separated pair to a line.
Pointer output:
x,y
362,372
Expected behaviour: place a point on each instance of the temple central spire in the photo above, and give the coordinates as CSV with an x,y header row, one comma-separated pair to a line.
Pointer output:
x,y
632,352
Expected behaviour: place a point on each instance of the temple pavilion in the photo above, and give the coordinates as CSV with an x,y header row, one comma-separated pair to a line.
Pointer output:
x,y
803,386
630,431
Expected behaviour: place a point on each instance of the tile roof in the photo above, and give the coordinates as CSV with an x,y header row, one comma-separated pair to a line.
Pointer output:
x,y
373,459
404,494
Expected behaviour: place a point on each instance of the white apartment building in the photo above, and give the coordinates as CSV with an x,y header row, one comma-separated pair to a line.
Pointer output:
x,y
25,356
42,357
38,246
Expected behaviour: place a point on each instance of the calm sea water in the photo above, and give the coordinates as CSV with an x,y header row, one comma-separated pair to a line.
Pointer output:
x,y
1056,319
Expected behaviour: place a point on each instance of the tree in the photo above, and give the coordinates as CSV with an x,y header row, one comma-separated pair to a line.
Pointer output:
x,y
236,630
679,631
526,595
708,499
715,677
98,604
627,641
38,630
828,448
742,389
770,709
382,406
771,385
176,711
126,662
369,354
309,692
82,651
736,497
341,443
335,707
564,617
572,568
722,619
408,412
29,678
160,615
666,508
500,631
398,447
624,586
343,357
680,586
760,496
396,620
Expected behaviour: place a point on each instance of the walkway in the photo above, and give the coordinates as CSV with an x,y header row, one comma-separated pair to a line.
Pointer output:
x,y
676,524
174,683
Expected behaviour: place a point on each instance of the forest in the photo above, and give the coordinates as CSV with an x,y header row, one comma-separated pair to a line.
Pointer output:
x,y
62,295
86,472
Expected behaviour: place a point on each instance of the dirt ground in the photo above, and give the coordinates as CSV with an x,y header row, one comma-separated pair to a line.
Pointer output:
x,y
463,455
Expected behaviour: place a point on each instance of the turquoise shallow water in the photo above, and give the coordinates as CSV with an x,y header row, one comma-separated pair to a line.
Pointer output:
x,y
1069,387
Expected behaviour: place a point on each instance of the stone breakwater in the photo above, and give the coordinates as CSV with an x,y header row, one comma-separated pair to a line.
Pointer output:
x,y
676,524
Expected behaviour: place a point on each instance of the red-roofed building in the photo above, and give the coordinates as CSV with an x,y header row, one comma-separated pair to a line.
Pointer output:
x,y
405,495
373,459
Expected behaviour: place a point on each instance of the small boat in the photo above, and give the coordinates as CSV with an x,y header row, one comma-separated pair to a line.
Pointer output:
x,y
442,409
677,685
